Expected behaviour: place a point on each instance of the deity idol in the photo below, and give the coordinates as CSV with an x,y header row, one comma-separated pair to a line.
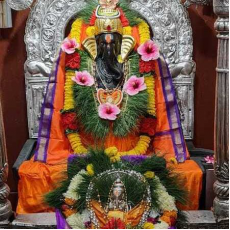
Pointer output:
x,y
110,89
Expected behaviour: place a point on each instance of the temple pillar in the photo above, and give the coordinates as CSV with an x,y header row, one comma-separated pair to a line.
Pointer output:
x,y
221,186
5,15
5,205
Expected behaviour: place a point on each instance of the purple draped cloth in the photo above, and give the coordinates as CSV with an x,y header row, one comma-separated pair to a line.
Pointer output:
x,y
61,221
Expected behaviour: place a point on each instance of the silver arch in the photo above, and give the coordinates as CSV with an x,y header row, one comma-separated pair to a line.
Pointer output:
x,y
171,27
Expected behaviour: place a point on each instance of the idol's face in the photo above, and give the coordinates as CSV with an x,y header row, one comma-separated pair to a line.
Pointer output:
x,y
109,4
109,45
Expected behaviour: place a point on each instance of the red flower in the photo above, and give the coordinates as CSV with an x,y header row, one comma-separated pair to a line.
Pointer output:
x,y
146,67
93,18
114,224
73,61
69,121
148,126
124,20
173,221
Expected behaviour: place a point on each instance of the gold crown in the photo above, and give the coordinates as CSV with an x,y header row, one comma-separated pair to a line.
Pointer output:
x,y
108,21
107,25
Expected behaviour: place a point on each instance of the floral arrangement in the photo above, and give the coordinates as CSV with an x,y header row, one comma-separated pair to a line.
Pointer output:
x,y
100,169
132,114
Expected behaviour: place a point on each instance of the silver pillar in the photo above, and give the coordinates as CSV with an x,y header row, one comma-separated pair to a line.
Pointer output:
x,y
221,186
5,15
5,205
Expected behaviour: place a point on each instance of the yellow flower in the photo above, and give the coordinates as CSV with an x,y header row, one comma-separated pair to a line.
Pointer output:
x,y
149,174
90,170
90,31
111,152
115,159
120,59
148,225
127,30
173,160
144,32
150,83
76,30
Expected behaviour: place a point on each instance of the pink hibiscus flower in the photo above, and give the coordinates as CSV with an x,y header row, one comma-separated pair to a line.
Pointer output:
x,y
149,51
108,111
134,85
69,45
209,160
83,78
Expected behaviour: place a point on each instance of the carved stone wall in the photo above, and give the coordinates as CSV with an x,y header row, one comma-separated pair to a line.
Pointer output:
x,y
46,28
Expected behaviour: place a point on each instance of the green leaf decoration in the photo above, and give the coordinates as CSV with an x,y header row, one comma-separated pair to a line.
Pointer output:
x,y
87,112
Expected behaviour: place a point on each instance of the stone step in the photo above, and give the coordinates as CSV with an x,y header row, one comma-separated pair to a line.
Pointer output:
x,y
196,220
35,221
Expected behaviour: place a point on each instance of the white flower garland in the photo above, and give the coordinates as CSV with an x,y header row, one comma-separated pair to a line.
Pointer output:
x,y
74,184
162,225
77,221
165,201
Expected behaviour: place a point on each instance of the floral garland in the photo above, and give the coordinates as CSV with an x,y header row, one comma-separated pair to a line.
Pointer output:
x,y
151,107
140,149
165,201
144,32
127,30
83,171
76,30
76,143
74,62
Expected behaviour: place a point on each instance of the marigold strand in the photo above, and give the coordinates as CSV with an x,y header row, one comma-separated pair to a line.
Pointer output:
x,y
150,83
76,30
76,144
141,147
144,32
68,98
127,30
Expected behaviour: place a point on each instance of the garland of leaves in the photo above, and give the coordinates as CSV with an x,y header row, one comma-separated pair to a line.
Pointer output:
x,y
134,107
101,162
86,104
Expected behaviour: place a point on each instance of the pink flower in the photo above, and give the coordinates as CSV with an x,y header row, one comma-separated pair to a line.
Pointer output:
x,y
69,45
149,51
83,78
134,85
108,111
209,160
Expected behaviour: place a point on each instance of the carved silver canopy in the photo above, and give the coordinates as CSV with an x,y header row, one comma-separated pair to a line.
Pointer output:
x,y
171,27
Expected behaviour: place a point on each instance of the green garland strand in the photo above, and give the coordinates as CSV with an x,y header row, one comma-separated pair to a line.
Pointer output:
x,y
101,163
87,113
132,16
133,109
87,12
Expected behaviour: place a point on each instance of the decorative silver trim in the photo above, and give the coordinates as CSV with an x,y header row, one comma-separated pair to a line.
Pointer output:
x,y
198,2
19,4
